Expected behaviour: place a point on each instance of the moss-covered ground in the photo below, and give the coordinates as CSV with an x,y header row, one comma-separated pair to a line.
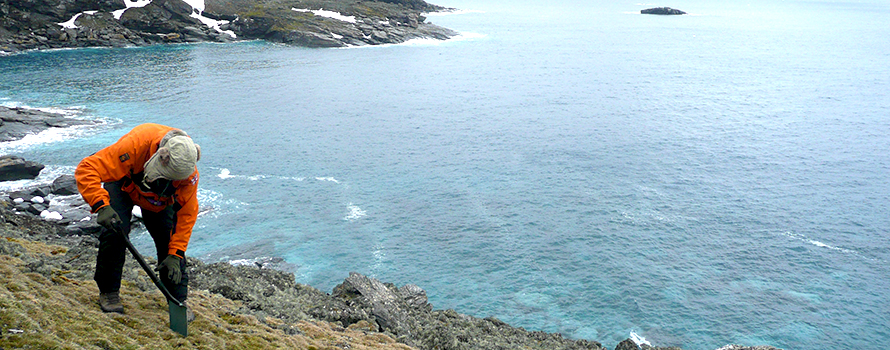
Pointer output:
x,y
58,312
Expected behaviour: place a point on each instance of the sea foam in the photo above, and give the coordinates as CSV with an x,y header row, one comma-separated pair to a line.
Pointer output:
x,y
46,176
806,239
354,212
638,339
451,12
463,36
225,173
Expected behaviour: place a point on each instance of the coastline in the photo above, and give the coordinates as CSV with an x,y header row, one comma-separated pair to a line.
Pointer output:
x,y
306,23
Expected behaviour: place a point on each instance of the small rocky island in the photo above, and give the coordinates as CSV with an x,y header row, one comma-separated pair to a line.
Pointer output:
x,y
47,24
662,11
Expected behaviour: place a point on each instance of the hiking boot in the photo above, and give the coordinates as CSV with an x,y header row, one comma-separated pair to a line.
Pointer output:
x,y
111,302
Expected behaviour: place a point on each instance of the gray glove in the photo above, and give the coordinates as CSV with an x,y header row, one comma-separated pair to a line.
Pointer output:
x,y
171,263
108,218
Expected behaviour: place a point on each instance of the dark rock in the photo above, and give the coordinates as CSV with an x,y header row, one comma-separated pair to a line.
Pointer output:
x,y
22,207
40,191
31,227
17,168
306,38
228,291
648,347
160,16
23,194
16,123
99,29
406,313
35,208
79,228
385,304
403,312
65,185
415,297
193,31
415,4
627,344
662,11
57,198
263,292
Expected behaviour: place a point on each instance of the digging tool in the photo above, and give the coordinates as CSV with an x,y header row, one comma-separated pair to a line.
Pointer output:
x,y
178,311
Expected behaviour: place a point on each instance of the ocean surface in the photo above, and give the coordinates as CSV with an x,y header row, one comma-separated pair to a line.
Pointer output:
x,y
569,166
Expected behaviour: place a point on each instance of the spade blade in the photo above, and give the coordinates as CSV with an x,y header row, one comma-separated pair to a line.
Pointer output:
x,y
179,319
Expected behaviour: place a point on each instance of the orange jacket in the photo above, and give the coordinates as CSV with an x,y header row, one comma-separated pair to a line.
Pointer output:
x,y
126,158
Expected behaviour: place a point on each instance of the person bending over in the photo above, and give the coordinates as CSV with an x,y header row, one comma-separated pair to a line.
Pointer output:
x,y
152,166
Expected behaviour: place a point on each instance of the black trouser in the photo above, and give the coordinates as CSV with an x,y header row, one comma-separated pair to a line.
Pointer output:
x,y
113,249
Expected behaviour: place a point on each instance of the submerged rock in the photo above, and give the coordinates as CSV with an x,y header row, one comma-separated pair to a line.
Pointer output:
x,y
662,11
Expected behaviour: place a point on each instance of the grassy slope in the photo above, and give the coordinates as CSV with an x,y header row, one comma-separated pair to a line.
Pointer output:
x,y
57,312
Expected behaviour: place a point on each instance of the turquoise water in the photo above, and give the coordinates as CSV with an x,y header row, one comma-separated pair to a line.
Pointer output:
x,y
700,180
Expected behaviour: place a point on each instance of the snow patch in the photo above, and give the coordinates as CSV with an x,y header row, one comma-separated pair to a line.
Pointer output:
x,y
329,14
50,215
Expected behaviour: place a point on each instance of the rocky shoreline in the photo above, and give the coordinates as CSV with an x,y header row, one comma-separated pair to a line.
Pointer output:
x,y
49,24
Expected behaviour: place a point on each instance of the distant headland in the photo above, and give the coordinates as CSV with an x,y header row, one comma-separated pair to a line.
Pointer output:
x,y
123,23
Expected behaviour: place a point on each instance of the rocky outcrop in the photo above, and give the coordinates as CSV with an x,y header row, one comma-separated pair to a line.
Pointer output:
x,y
69,209
16,123
43,24
17,168
323,23
662,11
58,203
366,303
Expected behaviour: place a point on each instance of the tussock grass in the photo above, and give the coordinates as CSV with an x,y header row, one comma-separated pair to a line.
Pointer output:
x,y
57,312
